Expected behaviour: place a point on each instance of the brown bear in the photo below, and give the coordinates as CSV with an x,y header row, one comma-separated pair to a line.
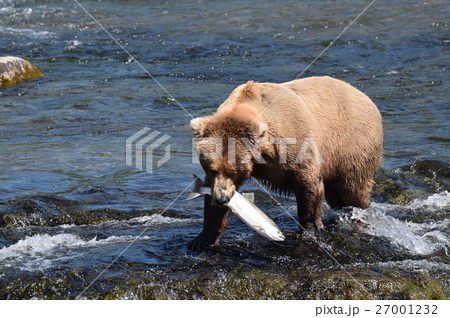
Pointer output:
x,y
315,138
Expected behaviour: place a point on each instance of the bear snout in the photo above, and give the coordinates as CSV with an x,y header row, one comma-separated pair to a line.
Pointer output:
x,y
222,200
222,196
222,189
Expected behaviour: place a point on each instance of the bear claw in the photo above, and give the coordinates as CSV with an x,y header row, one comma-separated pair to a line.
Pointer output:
x,y
202,242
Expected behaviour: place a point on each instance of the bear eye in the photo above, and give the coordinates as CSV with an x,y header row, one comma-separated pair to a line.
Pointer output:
x,y
232,174
213,172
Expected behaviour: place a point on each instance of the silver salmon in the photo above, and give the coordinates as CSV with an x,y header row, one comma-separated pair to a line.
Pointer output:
x,y
251,215
242,206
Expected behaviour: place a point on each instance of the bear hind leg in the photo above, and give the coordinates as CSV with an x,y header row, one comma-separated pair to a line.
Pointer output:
x,y
359,194
333,196
310,200
356,194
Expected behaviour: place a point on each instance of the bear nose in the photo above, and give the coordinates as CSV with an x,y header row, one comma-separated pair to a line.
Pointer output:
x,y
222,200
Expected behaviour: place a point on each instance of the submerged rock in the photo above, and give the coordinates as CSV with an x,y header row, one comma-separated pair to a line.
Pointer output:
x,y
54,211
243,283
14,70
392,190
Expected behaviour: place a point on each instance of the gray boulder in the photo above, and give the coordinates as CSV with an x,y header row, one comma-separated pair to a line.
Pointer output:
x,y
14,70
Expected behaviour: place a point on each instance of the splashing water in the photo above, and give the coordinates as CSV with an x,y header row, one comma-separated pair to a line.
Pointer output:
x,y
440,200
40,251
417,238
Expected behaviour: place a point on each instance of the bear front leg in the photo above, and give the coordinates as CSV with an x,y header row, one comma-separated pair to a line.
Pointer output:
x,y
214,223
310,205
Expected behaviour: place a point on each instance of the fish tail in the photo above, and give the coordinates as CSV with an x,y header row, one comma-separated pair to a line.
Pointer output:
x,y
196,191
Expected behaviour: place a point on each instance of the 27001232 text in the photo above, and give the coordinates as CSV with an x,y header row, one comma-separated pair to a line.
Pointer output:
x,y
407,309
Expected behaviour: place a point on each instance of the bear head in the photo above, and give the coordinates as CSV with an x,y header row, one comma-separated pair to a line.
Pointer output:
x,y
229,143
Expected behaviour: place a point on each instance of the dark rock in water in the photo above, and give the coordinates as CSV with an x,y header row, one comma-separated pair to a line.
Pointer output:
x,y
414,180
54,211
434,174
431,168
242,283
14,70
390,190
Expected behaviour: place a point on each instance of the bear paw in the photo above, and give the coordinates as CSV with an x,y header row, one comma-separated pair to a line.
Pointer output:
x,y
203,240
301,235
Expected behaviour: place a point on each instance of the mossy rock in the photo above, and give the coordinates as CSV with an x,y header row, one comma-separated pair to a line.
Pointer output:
x,y
391,191
367,284
14,70
233,283
247,284
37,285
237,284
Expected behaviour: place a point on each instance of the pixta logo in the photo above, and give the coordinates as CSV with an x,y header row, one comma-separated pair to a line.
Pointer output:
x,y
141,146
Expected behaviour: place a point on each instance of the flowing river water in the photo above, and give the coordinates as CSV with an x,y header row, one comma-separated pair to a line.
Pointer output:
x,y
77,221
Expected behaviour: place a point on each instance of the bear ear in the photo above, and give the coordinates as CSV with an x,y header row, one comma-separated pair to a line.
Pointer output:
x,y
258,130
198,126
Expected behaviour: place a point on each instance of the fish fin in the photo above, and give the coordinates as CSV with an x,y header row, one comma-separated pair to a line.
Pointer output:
x,y
196,191
193,195
256,238
250,196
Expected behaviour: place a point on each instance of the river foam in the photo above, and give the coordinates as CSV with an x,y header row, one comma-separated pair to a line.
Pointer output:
x,y
417,238
39,252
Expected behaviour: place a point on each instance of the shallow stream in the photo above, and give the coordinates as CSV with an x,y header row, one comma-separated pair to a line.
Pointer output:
x,y
77,222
